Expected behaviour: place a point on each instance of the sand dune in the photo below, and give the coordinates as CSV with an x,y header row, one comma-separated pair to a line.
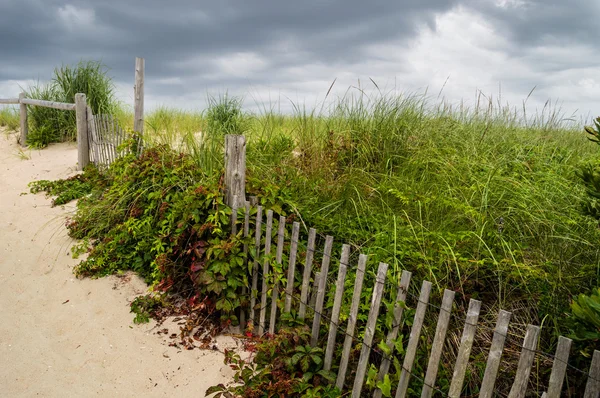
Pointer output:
x,y
65,337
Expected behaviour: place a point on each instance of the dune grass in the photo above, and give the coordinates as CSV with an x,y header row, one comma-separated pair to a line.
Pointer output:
x,y
9,117
484,201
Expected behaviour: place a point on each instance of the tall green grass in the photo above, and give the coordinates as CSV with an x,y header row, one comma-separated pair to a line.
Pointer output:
x,y
51,125
9,118
484,200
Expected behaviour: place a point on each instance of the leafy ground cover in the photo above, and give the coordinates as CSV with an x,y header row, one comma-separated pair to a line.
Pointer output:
x,y
483,201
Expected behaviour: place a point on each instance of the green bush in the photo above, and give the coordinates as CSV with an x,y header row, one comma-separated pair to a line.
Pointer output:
x,y
49,125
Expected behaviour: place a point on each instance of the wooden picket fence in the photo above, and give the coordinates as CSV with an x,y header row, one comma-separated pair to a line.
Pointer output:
x,y
105,138
305,290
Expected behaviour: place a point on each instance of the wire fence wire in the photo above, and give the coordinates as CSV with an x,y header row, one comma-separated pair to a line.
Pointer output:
x,y
510,337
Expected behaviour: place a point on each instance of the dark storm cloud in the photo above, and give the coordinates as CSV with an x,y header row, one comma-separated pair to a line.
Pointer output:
x,y
162,32
301,46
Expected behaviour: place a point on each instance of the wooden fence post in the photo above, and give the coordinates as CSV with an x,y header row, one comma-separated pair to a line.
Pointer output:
x,y
493,362
592,388
559,368
365,351
138,96
438,344
337,304
263,298
519,387
393,333
413,341
235,170
466,343
23,114
310,251
349,339
83,149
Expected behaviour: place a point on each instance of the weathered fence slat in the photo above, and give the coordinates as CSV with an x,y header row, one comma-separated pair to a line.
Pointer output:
x,y
292,266
279,260
313,297
254,290
337,304
92,135
358,283
23,120
245,251
438,343
319,294
559,367
464,351
592,388
365,352
413,341
265,287
103,141
138,96
10,101
519,387
393,333
310,251
493,362
83,147
235,168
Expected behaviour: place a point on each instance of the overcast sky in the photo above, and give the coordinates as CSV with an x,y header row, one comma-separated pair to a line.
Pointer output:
x,y
281,51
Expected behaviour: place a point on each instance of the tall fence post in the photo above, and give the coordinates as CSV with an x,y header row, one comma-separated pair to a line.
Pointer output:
x,y
83,149
235,170
23,113
138,96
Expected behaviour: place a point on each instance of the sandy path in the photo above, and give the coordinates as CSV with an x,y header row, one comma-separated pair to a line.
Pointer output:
x,y
87,346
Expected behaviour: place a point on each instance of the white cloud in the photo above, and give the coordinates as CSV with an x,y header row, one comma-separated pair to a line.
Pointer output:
x,y
73,17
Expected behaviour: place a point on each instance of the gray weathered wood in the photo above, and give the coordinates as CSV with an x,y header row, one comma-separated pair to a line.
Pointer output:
x,y
254,290
592,388
519,387
559,367
337,304
358,283
413,341
322,285
279,260
310,251
464,351
235,169
245,252
393,333
83,148
438,344
363,362
49,104
233,219
265,288
493,362
11,101
313,297
23,120
138,96
292,266
92,136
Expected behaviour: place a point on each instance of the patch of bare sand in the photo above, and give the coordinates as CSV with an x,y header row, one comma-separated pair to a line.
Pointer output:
x,y
65,337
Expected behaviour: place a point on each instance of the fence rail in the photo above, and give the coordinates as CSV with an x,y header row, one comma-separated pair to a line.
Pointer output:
x,y
304,288
81,115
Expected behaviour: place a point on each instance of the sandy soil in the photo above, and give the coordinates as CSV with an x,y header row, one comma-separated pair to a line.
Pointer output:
x,y
65,337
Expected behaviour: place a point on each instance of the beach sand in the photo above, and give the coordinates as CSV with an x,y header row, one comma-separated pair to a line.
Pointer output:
x,y
66,337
